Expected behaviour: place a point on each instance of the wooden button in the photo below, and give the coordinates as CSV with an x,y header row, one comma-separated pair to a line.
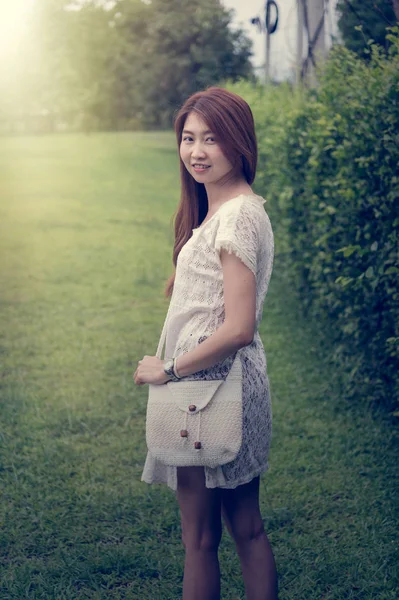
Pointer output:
x,y
192,408
197,445
184,433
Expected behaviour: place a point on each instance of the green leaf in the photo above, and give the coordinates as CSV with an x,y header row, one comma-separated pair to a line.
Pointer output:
x,y
349,250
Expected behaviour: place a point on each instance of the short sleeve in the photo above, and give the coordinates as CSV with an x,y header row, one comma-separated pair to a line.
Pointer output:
x,y
238,233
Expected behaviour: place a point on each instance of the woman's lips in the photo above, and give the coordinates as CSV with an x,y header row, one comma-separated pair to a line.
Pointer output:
x,y
200,169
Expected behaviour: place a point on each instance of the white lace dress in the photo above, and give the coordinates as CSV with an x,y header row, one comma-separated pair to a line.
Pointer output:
x,y
196,310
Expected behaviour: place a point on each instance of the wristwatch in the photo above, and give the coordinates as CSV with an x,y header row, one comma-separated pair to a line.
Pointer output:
x,y
169,368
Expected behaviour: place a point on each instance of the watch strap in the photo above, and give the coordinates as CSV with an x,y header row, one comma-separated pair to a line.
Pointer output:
x,y
169,369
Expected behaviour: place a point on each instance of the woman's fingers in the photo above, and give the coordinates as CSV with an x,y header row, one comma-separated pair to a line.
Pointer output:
x,y
137,381
136,373
148,363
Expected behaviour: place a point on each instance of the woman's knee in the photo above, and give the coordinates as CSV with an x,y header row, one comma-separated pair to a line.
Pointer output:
x,y
206,539
246,530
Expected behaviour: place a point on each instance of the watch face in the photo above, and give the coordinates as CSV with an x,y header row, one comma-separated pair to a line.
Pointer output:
x,y
168,367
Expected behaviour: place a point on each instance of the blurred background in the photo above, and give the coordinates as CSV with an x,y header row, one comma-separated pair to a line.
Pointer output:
x,y
127,64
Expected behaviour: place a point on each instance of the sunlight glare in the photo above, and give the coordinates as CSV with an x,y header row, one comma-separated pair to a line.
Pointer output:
x,y
13,24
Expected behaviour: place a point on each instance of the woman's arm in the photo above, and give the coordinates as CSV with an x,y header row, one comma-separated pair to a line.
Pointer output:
x,y
238,329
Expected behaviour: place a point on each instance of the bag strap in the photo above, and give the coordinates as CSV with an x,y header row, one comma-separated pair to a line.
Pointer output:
x,y
162,339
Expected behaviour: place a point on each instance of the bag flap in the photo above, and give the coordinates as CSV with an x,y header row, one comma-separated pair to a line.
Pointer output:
x,y
200,392
196,393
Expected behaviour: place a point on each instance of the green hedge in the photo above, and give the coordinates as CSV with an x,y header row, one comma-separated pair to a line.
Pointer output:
x,y
329,164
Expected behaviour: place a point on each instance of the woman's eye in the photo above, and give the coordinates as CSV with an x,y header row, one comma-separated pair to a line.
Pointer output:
x,y
209,139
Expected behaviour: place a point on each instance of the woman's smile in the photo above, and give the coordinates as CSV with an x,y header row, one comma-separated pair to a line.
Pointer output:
x,y
199,168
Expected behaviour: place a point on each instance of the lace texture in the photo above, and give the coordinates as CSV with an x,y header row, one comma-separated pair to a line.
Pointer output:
x,y
240,226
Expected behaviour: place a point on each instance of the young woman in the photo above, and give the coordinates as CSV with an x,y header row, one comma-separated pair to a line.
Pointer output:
x,y
223,254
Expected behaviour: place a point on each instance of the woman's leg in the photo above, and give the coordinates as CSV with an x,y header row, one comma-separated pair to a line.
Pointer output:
x,y
240,508
200,510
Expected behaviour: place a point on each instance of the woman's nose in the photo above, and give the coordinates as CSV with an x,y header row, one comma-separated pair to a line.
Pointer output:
x,y
197,151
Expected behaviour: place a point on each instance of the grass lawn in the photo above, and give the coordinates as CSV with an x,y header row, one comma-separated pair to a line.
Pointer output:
x,y
85,249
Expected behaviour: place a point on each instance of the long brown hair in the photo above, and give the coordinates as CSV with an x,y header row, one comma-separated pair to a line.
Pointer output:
x,y
231,119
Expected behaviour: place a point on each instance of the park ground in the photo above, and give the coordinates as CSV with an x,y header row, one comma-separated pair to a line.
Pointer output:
x,y
85,247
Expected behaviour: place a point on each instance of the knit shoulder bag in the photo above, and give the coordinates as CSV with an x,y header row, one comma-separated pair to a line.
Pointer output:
x,y
195,423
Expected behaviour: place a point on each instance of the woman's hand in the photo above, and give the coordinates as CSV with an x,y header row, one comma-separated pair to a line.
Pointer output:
x,y
150,370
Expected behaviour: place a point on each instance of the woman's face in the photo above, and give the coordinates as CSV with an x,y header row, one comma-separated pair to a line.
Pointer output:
x,y
201,153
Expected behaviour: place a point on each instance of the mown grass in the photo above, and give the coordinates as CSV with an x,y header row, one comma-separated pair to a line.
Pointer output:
x,y
85,249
